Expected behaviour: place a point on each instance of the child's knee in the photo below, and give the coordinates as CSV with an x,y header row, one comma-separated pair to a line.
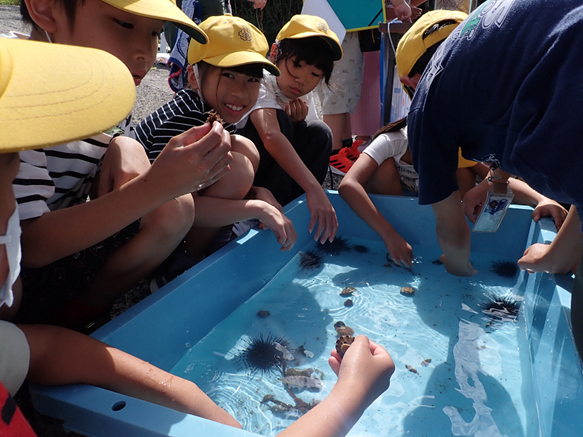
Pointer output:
x,y
246,147
236,183
172,219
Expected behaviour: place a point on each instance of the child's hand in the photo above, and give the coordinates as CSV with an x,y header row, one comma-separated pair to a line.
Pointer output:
x,y
198,157
366,368
280,225
322,213
458,269
399,250
124,160
258,4
297,109
474,199
403,12
548,207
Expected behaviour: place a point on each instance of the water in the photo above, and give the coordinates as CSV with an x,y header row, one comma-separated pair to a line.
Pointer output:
x,y
458,371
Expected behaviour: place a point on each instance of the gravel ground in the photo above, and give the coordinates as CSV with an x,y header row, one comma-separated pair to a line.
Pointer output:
x,y
153,92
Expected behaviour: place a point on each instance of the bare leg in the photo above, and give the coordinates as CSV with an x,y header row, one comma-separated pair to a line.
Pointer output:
x,y
340,126
385,180
161,232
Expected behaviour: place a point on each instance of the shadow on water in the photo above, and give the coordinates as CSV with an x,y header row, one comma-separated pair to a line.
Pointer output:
x,y
460,397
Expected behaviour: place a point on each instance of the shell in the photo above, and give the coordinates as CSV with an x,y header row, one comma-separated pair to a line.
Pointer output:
x,y
347,291
213,116
348,303
411,369
343,343
407,290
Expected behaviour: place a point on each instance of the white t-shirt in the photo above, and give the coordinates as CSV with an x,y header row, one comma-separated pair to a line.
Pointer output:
x,y
270,96
394,145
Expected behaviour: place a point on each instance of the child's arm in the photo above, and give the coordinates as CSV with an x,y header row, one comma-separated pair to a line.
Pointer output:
x,y
217,212
275,142
61,356
363,375
523,194
353,192
562,254
453,235
198,155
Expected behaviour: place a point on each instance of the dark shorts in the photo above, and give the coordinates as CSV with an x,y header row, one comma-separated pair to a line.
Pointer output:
x,y
49,288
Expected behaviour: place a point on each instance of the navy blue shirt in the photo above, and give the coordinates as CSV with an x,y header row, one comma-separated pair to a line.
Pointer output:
x,y
506,86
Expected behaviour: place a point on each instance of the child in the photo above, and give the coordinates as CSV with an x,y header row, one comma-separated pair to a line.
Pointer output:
x,y
51,355
224,77
294,146
518,115
386,167
38,112
79,256
414,53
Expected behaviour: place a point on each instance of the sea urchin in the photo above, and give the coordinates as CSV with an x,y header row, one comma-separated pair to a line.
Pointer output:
x,y
504,308
264,355
310,260
506,269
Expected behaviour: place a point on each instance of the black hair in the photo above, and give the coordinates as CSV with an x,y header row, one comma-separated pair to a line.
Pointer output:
x,y
70,7
423,61
312,50
392,127
253,70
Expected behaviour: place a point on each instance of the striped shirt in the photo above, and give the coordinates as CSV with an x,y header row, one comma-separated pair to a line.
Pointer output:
x,y
57,177
186,110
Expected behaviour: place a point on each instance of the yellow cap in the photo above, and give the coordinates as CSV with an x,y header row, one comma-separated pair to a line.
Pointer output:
x,y
78,92
413,45
463,162
233,42
165,10
305,26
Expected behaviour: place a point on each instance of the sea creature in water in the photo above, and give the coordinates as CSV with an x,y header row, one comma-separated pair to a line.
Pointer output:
x,y
343,343
437,262
360,248
426,362
391,263
342,329
263,313
339,245
293,371
348,303
301,382
347,291
503,308
264,355
407,290
506,269
310,260
411,369
302,350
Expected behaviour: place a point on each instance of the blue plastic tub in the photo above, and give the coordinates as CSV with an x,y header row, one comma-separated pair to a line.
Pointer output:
x,y
185,310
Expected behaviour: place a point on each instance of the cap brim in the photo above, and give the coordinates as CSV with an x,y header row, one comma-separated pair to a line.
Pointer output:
x,y
237,59
162,10
52,94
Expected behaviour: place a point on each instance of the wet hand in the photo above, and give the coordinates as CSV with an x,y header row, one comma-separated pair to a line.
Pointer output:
x,y
458,269
322,214
280,225
400,251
